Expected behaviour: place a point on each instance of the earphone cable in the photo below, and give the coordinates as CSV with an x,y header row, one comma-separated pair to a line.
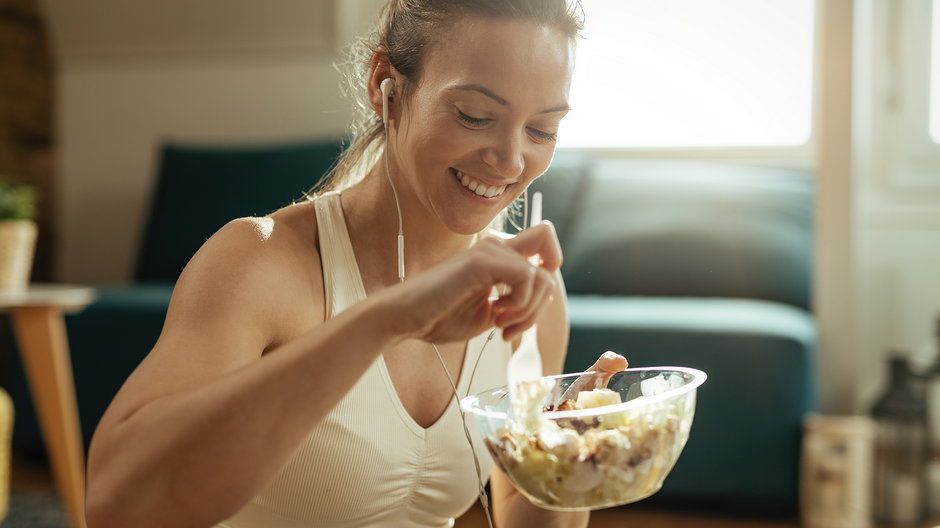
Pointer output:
x,y
484,501
463,421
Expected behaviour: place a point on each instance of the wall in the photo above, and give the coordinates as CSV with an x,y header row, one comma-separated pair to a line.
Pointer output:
x,y
26,117
898,170
133,74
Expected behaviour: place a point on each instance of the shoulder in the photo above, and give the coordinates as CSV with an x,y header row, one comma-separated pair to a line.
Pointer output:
x,y
267,249
266,268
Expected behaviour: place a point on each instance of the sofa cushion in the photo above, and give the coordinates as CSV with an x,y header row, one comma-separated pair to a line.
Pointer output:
x,y
199,189
691,229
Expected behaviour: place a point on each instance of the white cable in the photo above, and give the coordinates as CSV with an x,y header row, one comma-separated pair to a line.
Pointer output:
x,y
484,501
388,175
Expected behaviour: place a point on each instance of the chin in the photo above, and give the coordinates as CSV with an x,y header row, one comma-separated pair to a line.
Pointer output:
x,y
467,226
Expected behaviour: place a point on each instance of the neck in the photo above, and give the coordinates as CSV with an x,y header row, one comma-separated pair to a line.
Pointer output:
x,y
372,220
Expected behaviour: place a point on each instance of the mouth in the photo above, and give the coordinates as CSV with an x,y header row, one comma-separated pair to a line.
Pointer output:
x,y
479,188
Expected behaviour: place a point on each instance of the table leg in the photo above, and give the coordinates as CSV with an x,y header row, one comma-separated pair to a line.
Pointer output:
x,y
40,333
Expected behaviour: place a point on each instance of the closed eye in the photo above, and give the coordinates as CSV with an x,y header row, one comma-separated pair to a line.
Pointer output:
x,y
547,136
472,121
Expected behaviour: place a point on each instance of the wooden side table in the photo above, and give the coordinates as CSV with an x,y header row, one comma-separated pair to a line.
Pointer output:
x,y
39,325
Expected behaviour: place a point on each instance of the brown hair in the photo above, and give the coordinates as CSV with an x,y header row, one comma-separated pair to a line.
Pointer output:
x,y
406,28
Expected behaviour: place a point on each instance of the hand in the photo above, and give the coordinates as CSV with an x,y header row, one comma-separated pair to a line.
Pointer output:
x,y
451,302
606,366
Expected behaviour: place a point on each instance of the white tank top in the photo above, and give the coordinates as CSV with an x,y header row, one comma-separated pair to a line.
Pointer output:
x,y
368,463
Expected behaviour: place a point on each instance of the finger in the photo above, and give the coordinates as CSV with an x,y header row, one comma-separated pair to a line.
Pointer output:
x,y
539,240
514,327
543,285
606,366
540,281
609,362
514,330
520,293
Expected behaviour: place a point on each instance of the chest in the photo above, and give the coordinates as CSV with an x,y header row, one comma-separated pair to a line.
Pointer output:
x,y
420,381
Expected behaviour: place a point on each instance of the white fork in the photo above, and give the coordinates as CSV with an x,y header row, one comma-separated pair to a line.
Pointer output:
x,y
526,362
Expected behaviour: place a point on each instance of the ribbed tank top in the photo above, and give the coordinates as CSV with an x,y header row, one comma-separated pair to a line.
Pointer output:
x,y
368,463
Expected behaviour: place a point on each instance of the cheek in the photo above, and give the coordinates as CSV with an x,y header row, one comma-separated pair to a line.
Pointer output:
x,y
539,160
447,142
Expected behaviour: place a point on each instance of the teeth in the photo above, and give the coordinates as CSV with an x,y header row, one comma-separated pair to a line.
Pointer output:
x,y
479,188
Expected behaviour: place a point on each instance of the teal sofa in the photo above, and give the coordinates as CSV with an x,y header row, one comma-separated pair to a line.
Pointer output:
x,y
704,265
668,262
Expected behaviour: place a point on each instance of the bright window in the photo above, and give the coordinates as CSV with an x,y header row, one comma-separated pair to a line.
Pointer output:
x,y
935,75
698,73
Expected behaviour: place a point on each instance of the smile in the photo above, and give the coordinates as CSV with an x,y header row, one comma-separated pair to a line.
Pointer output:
x,y
481,189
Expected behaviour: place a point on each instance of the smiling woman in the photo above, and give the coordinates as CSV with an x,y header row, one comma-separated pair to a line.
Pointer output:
x,y
302,378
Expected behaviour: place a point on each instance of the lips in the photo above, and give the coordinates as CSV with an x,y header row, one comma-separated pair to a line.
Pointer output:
x,y
480,188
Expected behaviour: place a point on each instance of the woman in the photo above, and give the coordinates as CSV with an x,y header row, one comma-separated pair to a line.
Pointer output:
x,y
295,382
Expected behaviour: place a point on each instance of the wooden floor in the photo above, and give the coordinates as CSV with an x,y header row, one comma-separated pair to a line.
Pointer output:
x,y
34,476
646,518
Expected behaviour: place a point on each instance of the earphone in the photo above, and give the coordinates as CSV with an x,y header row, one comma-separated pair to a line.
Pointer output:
x,y
386,88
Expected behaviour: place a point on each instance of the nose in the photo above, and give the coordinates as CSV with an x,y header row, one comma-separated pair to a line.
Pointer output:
x,y
506,156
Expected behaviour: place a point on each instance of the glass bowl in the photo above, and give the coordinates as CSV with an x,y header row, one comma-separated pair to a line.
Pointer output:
x,y
589,448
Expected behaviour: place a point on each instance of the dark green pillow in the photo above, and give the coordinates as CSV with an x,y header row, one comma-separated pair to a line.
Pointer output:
x,y
199,189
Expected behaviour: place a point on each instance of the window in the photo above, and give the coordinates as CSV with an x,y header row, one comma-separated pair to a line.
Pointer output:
x,y
696,73
935,74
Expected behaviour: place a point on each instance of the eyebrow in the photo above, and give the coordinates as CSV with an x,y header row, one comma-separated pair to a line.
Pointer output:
x,y
489,93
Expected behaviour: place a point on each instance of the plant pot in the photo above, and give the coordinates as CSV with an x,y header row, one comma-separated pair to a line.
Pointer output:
x,y
17,247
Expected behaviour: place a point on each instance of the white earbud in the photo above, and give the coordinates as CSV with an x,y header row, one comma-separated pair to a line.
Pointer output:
x,y
386,87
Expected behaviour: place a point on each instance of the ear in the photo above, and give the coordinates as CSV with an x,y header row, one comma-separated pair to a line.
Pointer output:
x,y
379,70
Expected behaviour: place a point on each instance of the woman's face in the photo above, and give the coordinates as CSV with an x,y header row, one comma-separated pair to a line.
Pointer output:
x,y
480,123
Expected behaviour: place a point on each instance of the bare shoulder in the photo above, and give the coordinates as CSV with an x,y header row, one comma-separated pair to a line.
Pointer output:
x,y
268,267
252,286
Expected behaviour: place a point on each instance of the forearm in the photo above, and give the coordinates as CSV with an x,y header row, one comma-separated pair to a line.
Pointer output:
x,y
201,454
518,511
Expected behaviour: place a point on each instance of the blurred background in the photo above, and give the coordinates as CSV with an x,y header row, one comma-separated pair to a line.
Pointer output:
x,y
846,91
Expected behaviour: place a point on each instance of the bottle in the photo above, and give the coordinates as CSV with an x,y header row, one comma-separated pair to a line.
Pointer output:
x,y
901,446
932,396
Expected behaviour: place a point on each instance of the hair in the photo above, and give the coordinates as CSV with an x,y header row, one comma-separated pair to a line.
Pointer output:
x,y
404,32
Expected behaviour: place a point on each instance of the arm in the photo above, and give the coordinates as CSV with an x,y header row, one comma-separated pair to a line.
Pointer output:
x,y
209,418
206,420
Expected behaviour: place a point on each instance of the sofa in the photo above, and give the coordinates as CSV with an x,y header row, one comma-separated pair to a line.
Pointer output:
x,y
668,262
705,265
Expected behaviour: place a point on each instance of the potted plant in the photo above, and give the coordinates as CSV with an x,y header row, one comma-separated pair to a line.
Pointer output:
x,y
17,235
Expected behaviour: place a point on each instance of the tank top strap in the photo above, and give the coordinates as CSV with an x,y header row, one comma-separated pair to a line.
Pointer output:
x,y
342,284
